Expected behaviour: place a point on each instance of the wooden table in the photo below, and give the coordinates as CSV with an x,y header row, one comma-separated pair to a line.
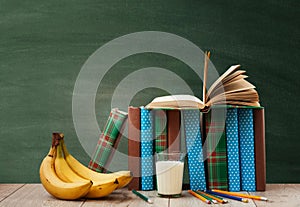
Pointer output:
x,y
31,195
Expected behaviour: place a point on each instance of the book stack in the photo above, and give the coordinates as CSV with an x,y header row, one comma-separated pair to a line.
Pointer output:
x,y
223,135
231,157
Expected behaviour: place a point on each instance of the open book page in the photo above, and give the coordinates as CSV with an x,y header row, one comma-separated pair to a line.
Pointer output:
x,y
218,82
233,87
245,98
235,75
176,102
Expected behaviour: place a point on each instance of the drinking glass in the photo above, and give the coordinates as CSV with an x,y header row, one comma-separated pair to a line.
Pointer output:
x,y
169,173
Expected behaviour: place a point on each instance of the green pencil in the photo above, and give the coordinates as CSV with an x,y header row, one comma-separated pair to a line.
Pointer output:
x,y
205,196
142,196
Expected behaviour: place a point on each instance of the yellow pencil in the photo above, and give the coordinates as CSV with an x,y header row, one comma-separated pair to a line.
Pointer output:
x,y
242,195
214,197
199,196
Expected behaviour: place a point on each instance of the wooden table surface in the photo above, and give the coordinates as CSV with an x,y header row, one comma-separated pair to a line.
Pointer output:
x,y
31,195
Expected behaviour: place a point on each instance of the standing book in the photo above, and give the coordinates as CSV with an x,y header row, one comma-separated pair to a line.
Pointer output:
x,y
174,121
216,150
233,154
147,148
134,151
194,149
260,153
160,132
247,157
108,141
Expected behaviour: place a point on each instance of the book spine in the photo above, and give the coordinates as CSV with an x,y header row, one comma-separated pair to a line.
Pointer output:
x,y
147,172
107,140
216,150
134,151
114,147
260,153
247,159
194,149
232,141
160,122
173,130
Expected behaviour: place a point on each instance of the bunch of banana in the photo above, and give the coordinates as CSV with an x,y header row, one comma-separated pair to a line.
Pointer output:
x,y
65,177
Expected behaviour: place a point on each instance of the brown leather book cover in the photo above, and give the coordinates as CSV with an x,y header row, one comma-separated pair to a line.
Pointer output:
x,y
173,124
260,152
134,133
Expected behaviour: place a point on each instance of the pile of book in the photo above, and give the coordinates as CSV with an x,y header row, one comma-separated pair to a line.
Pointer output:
x,y
227,153
223,136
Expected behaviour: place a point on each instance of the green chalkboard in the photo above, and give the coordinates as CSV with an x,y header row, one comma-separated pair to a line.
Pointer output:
x,y
44,44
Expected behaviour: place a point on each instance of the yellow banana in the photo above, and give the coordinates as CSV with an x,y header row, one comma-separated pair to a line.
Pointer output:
x,y
101,189
123,177
55,186
64,172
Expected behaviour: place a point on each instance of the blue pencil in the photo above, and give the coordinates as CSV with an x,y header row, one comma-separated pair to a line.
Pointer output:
x,y
228,196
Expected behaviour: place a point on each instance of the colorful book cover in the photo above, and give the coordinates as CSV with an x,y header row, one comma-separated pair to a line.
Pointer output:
x,y
247,157
233,158
216,150
134,151
107,141
160,122
147,147
174,121
194,149
260,152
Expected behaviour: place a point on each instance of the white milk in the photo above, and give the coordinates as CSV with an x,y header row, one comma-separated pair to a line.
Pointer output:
x,y
169,177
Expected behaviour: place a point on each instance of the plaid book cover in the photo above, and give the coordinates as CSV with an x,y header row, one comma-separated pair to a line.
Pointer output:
x,y
147,164
160,122
107,140
216,150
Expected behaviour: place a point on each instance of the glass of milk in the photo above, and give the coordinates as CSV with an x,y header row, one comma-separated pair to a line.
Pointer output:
x,y
169,173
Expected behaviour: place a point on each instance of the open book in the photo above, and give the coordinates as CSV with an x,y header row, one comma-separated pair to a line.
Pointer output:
x,y
231,88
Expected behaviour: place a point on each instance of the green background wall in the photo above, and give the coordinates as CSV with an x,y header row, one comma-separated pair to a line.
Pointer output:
x,y
43,45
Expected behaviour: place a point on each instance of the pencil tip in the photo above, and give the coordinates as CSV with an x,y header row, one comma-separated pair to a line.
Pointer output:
x,y
245,200
149,201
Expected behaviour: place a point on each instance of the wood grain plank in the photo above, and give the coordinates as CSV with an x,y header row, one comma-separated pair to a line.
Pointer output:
x,y
125,198
35,195
234,203
8,189
157,201
186,200
189,200
280,195
120,198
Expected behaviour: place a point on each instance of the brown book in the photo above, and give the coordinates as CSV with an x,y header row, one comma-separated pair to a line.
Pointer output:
x,y
134,126
173,124
260,153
